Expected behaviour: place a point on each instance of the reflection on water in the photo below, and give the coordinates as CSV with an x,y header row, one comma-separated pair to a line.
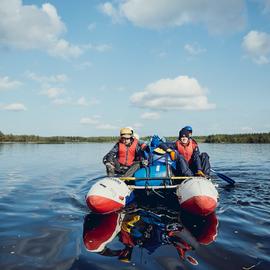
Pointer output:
x,y
45,223
147,229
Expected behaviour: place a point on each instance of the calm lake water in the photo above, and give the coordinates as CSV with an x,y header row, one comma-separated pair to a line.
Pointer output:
x,y
44,216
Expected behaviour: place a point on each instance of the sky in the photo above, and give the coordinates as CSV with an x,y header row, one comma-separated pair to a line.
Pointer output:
x,y
89,68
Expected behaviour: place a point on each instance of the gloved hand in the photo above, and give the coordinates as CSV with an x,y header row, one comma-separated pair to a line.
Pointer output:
x,y
109,165
110,168
200,173
144,162
172,153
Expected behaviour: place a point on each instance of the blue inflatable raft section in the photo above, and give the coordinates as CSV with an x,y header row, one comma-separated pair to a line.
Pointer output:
x,y
152,171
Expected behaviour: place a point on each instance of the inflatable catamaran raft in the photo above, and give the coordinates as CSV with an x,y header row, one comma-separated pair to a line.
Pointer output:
x,y
196,195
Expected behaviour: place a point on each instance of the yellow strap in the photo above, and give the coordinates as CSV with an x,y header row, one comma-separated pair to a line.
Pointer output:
x,y
160,151
126,225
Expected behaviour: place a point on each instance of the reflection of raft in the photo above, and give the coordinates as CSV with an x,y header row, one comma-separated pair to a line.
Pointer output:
x,y
196,195
149,229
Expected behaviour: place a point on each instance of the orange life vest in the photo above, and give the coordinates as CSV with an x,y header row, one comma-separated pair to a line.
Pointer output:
x,y
126,154
186,150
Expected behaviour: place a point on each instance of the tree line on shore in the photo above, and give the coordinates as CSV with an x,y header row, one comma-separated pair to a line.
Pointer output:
x,y
219,138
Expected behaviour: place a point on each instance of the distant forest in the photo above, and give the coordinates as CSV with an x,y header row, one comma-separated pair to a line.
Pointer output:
x,y
219,138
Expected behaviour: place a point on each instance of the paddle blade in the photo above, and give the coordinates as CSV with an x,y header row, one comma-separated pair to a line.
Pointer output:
x,y
224,177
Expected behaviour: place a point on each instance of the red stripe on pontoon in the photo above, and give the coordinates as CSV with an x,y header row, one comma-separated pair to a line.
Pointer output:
x,y
102,205
200,205
95,237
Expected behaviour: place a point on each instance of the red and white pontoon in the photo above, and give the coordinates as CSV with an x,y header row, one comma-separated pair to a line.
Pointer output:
x,y
196,195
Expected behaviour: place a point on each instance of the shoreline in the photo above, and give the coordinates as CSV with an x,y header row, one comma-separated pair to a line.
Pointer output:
x,y
249,138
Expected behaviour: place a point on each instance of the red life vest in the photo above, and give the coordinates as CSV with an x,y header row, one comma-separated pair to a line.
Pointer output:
x,y
126,154
193,141
186,150
126,239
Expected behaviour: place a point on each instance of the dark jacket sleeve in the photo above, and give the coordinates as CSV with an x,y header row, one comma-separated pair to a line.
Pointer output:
x,y
167,145
196,159
112,155
140,151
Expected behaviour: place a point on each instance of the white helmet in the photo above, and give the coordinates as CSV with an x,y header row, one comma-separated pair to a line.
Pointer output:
x,y
136,136
132,130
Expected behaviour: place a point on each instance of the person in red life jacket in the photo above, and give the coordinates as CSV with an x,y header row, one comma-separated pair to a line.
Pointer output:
x,y
126,156
203,156
188,159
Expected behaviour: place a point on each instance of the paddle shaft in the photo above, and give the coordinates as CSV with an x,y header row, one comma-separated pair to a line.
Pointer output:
x,y
155,178
224,177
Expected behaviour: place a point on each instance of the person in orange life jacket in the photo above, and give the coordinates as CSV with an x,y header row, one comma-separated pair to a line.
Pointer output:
x,y
126,156
203,156
188,162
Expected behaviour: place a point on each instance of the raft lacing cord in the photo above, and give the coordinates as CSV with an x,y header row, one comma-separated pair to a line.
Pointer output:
x,y
158,193
148,177
168,172
147,183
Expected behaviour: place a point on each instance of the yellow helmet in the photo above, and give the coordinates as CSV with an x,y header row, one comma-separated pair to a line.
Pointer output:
x,y
125,132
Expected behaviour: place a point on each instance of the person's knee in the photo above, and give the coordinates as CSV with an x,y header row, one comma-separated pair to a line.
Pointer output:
x,y
181,158
204,155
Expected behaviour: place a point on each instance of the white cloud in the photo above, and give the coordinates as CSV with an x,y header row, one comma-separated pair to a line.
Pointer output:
x,y
137,125
108,9
97,47
194,49
82,101
106,127
217,16
83,65
247,129
257,46
53,92
14,107
89,120
266,6
64,49
30,27
103,47
150,115
162,54
62,101
92,26
6,83
59,78
181,93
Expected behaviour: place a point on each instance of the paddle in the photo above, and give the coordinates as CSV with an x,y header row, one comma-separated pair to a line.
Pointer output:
x,y
155,178
224,177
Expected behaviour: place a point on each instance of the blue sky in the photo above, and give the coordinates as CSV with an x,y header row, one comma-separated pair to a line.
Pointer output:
x,y
89,68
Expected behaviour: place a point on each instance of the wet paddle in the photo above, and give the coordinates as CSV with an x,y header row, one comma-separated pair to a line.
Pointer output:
x,y
224,177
